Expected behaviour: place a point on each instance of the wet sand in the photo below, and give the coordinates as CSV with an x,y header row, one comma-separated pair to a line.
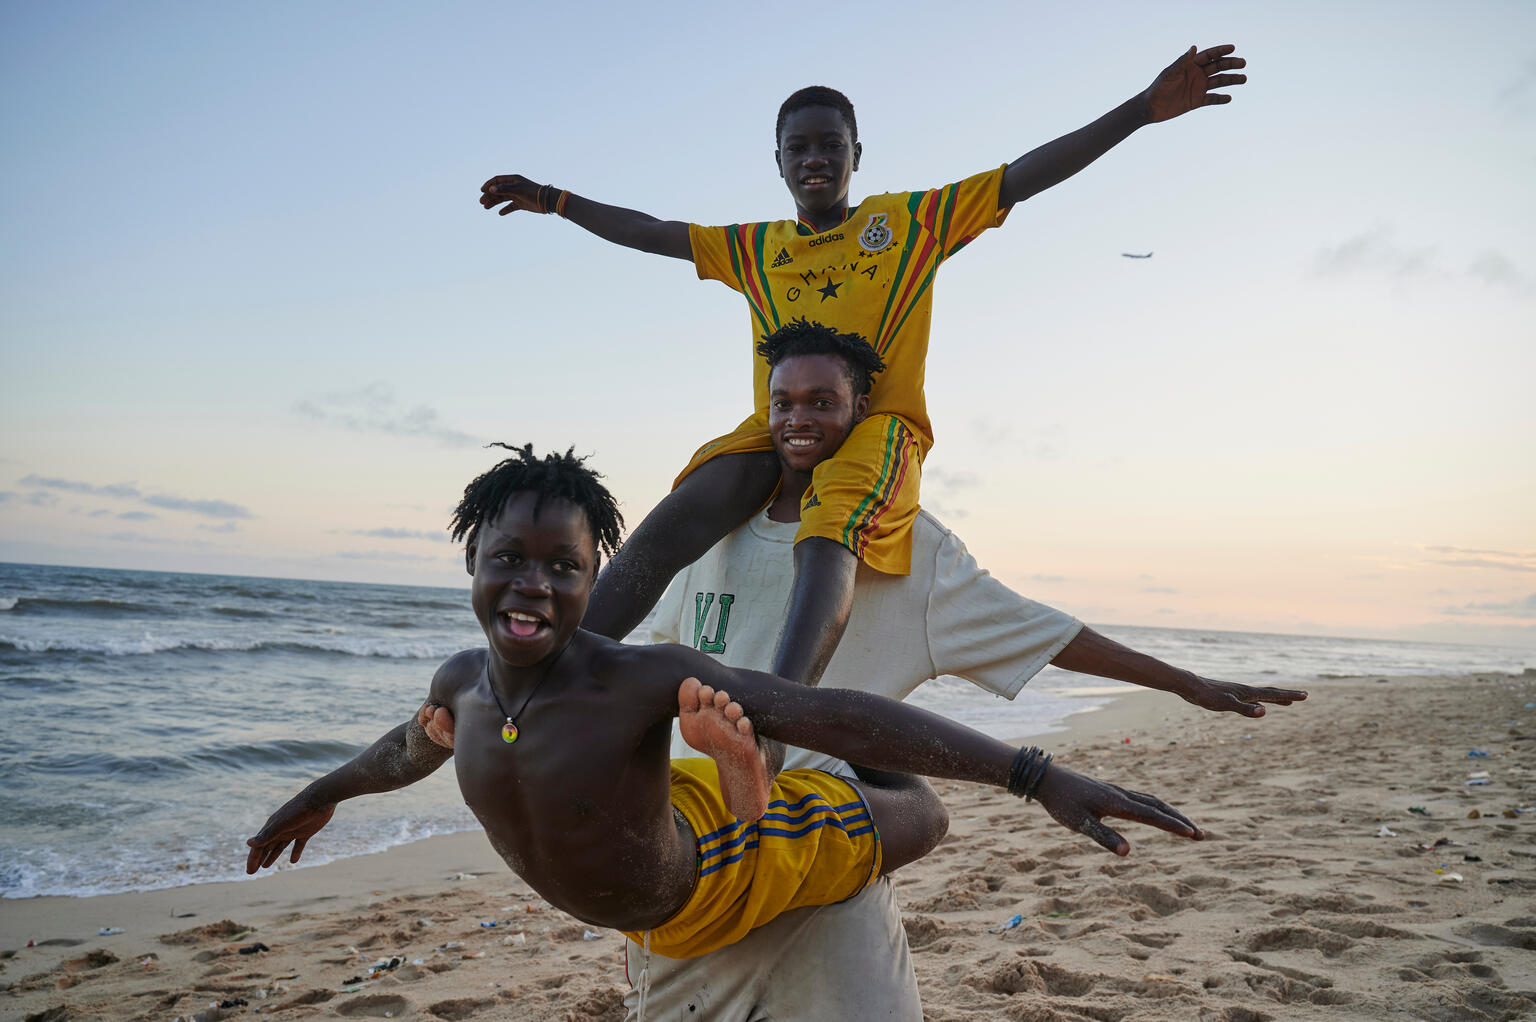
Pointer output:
x,y
1349,872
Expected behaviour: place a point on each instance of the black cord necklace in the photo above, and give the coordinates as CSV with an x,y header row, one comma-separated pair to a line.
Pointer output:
x,y
509,729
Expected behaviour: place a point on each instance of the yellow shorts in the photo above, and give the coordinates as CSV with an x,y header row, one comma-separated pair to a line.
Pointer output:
x,y
816,845
865,496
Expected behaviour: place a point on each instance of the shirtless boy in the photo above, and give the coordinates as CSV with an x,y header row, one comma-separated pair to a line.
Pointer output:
x,y
869,271
562,741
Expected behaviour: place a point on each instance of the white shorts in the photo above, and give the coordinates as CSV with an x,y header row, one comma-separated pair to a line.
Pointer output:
x,y
843,961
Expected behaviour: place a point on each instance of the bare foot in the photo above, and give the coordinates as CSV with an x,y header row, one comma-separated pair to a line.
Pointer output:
x,y
717,727
437,722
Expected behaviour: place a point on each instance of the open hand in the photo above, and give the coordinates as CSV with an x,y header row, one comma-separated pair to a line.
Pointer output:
x,y
1079,802
436,720
513,189
1186,84
297,821
1244,699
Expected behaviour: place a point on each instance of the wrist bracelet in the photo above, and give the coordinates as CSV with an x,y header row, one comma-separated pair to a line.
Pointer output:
x,y
544,191
1027,771
1018,771
1037,775
565,193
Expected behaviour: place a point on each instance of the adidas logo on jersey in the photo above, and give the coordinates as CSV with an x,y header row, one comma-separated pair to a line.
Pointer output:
x,y
782,259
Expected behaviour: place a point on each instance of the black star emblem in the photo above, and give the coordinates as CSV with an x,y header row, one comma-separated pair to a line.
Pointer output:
x,y
830,291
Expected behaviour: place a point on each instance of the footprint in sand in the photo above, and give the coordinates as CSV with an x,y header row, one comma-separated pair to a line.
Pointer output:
x,y
1336,902
374,1006
225,931
1312,979
1294,991
1241,1015
459,1008
1016,976
90,960
923,930
1293,938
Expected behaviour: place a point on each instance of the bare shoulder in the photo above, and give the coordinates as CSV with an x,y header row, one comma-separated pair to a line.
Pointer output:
x,y
455,675
645,669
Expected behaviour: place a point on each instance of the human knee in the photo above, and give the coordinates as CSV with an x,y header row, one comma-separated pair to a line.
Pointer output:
x,y
932,817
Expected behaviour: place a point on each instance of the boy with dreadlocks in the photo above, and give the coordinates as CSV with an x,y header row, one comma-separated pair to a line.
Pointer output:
x,y
867,270
562,742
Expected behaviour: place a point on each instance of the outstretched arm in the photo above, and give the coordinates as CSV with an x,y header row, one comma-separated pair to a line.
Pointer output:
x,y
1092,653
627,227
1183,86
877,732
402,757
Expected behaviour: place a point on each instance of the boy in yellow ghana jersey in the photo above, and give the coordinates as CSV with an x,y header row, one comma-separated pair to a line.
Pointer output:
x,y
867,270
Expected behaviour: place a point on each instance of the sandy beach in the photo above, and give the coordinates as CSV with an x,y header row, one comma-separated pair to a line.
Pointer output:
x,y
1350,872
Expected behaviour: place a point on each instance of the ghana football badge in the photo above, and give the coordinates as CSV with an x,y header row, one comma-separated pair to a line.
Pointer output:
x,y
876,237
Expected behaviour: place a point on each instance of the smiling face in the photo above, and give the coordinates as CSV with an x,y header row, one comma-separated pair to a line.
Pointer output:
x,y
811,409
817,156
532,577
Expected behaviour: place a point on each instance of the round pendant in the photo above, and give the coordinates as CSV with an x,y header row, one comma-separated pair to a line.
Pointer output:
x,y
509,732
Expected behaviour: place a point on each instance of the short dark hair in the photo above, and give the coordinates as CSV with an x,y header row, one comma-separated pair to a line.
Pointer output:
x,y
552,477
817,95
802,337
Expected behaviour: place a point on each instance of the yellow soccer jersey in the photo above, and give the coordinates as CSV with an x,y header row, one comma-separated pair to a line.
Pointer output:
x,y
872,275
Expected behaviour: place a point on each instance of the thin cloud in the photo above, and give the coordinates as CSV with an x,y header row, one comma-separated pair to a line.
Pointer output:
x,y
1469,557
8,495
41,498
1378,252
1516,554
128,491
384,555
401,534
222,527
951,480
943,510
137,516
1048,579
1483,562
1495,269
139,537
1522,608
375,409
206,508
1040,442
122,491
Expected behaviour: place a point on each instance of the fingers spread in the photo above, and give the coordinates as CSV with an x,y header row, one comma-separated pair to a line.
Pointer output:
x,y
1208,55
1224,81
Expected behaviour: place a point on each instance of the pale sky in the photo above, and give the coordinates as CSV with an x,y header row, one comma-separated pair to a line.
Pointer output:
x,y
255,322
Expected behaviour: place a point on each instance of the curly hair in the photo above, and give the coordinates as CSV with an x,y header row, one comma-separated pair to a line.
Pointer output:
x,y
817,95
802,337
552,477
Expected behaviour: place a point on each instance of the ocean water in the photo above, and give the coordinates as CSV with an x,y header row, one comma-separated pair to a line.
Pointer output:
x,y
153,720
